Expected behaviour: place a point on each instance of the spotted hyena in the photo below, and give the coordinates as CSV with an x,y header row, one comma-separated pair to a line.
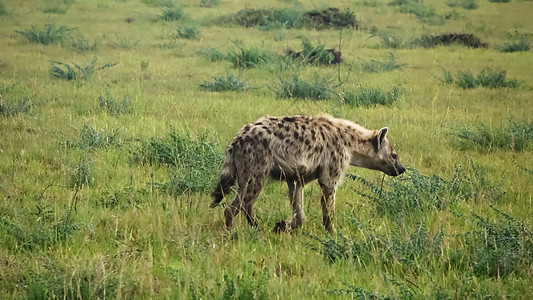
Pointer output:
x,y
297,150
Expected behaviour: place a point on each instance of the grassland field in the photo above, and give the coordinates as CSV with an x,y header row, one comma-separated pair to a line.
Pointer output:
x,y
105,175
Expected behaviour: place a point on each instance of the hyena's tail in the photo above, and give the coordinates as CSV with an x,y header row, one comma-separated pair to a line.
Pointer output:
x,y
227,179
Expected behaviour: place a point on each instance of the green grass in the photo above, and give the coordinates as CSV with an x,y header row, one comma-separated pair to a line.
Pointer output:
x,y
105,180
223,84
50,34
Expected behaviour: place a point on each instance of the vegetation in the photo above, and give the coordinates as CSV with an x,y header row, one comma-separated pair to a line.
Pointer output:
x,y
107,164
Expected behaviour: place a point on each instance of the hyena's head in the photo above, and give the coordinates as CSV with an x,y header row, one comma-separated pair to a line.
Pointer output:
x,y
383,157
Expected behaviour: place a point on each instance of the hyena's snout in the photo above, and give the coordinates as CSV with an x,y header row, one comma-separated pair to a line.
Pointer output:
x,y
398,169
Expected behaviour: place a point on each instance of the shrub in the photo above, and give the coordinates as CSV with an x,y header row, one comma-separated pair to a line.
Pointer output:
x,y
249,58
268,18
172,13
519,42
114,107
209,3
372,96
466,4
122,198
194,163
375,66
222,84
188,32
3,11
49,35
329,18
517,135
9,107
212,54
468,40
81,44
486,78
320,88
65,71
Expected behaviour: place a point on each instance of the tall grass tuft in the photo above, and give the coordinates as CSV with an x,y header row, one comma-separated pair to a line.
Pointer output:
x,y
114,107
315,54
189,32
517,136
388,40
222,84
212,54
65,71
486,78
376,66
193,162
172,13
50,34
424,14
466,4
81,44
367,97
249,58
3,10
10,107
320,88
122,43
210,3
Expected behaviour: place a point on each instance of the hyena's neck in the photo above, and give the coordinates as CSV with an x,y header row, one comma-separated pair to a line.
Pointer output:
x,y
357,141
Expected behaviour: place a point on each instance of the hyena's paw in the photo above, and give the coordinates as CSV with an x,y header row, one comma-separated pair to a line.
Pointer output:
x,y
282,226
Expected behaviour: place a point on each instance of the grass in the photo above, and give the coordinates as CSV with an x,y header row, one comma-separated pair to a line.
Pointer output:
x,y
375,66
105,182
189,32
223,84
65,71
518,42
486,78
172,13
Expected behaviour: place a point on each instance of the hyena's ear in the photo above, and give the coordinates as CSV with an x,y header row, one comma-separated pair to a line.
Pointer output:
x,y
380,137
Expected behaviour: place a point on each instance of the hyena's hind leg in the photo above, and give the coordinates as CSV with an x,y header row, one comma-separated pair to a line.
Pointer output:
x,y
297,204
327,202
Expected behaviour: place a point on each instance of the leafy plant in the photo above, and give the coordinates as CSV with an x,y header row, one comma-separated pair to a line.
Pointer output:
x,y
65,71
212,54
221,84
209,3
50,34
320,88
122,43
389,40
81,44
372,96
425,14
316,55
466,4
375,66
3,10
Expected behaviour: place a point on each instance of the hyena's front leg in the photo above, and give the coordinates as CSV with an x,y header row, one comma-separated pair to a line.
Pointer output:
x,y
297,204
328,206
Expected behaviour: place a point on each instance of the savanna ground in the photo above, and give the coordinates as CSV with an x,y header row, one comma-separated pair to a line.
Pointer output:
x,y
107,165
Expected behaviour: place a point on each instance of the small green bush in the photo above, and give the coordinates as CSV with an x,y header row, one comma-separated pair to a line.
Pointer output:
x,y
114,107
222,84
519,42
268,18
212,54
193,162
466,4
81,44
320,88
10,107
486,78
3,10
249,58
65,71
49,35
172,13
367,97
517,135
210,3
315,55
188,32
375,66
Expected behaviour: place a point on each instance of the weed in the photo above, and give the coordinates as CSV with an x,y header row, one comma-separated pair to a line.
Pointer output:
x,y
333,248
391,41
144,65
9,107
320,88
268,18
249,58
500,1
82,173
65,71
209,3
172,13
81,44
466,4
244,287
329,18
448,78
375,66
114,107
212,54
367,97
194,162
159,3
519,42
486,78
316,55
55,8
188,32
517,136
49,35
222,84
122,43
122,198
3,10
424,14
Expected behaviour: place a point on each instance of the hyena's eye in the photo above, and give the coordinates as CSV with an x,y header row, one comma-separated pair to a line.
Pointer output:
x,y
394,156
